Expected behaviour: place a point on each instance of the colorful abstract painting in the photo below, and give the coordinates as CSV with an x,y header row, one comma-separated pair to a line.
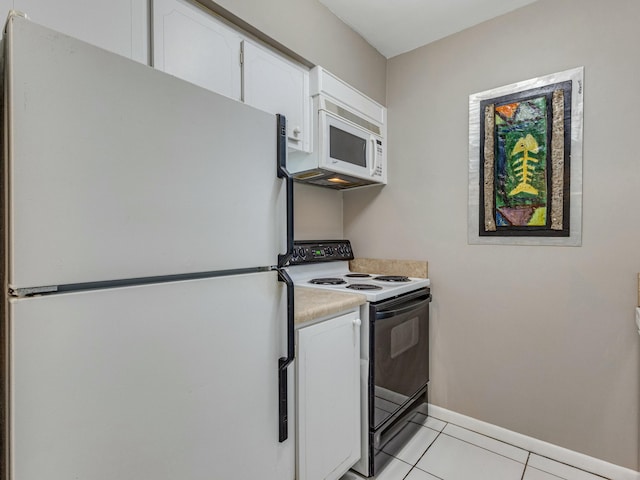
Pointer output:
x,y
521,163
525,162
525,155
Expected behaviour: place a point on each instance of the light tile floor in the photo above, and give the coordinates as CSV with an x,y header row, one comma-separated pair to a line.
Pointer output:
x,y
443,451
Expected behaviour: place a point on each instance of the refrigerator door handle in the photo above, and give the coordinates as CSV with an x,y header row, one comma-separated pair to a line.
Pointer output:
x,y
283,259
283,362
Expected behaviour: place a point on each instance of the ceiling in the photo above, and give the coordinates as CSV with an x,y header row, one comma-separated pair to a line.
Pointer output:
x,y
398,26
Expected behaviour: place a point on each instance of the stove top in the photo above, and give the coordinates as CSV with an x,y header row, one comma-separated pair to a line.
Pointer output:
x,y
336,276
323,265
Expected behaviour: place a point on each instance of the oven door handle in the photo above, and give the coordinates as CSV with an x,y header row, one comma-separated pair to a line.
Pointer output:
x,y
384,314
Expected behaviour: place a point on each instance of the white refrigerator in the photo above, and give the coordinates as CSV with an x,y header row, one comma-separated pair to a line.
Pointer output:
x,y
144,323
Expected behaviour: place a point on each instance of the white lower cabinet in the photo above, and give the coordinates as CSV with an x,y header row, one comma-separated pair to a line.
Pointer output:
x,y
328,397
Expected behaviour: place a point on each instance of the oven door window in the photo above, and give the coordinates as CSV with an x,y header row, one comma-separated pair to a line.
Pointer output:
x,y
400,357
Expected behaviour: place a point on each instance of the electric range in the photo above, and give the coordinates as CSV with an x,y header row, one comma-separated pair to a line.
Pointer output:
x,y
394,349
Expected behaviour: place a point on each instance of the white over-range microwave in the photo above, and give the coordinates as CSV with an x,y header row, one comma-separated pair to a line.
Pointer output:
x,y
348,149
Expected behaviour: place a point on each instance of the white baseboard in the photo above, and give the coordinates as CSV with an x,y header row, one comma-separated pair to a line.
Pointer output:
x,y
539,447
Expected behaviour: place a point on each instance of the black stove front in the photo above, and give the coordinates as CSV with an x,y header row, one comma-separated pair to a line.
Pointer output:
x,y
398,371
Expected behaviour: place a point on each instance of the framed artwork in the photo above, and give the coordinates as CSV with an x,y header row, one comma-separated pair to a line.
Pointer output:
x,y
525,162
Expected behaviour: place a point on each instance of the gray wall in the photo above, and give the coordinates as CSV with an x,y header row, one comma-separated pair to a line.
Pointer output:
x,y
311,31
539,340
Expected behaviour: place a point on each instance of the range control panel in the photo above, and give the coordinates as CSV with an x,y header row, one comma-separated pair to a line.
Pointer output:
x,y
314,251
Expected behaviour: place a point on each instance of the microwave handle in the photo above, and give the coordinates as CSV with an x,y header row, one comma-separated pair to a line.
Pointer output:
x,y
323,128
374,155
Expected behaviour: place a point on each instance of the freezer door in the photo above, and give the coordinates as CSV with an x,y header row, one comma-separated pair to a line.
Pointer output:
x,y
117,170
167,381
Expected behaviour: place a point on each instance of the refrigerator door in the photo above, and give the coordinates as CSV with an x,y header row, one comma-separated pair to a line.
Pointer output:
x,y
166,381
117,170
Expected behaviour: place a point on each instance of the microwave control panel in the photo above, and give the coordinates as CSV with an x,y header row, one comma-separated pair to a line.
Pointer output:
x,y
320,251
379,153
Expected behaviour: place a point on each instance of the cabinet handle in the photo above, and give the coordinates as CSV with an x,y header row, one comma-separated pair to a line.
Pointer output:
x,y
295,134
357,322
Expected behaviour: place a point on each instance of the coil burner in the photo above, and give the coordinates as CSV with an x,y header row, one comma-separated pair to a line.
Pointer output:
x,y
393,278
364,286
327,281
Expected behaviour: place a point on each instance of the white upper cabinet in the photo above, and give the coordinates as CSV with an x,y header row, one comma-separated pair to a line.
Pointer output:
x,y
191,44
120,26
276,85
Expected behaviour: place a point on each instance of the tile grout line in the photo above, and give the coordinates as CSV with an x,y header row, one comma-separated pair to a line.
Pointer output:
x,y
566,465
406,463
484,435
548,473
425,452
484,448
529,452
526,464
423,426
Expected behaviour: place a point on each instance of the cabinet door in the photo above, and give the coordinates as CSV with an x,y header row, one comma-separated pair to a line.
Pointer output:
x,y
191,44
120,26
275,85
328,398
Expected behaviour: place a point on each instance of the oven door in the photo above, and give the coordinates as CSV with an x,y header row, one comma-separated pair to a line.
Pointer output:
x,y
399,342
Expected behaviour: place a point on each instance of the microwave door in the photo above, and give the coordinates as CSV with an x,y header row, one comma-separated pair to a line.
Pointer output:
x,y
345,148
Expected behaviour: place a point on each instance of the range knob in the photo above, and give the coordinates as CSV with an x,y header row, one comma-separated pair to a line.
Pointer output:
x,y
329,250
341,249
302,252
